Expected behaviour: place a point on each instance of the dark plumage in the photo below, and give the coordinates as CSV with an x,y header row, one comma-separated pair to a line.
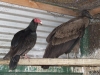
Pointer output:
x,y
64,37
22,42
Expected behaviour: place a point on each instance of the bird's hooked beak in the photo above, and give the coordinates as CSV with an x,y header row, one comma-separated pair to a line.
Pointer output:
x,y
40,23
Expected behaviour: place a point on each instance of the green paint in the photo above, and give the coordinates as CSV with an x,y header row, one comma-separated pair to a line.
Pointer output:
x,y
31,73
67,69
84,44
36,70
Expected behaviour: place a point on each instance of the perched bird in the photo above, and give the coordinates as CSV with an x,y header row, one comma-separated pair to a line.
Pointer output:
x,y
22,42
64,37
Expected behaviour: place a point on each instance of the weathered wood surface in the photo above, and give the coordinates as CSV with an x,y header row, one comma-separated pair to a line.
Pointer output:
x,y
60,62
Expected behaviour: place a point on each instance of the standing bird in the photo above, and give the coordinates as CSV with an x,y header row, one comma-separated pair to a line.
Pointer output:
x,y
64,37
22,42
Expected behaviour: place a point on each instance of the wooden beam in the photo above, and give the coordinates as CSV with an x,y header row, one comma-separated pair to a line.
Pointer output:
x,y
95,11
47,7
61,62
42,6
60,1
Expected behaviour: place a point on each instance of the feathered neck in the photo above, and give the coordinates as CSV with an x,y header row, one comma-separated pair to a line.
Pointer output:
x,y
32,26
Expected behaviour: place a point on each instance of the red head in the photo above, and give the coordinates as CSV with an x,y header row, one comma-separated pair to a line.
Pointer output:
x,y
36,20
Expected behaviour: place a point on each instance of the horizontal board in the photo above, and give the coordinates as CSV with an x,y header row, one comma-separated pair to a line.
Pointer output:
x,y
37,47
44,22
8,30
39,28
43,28
3,43
8,38
31,52
31,15
12,24
60,62
20,7
16,18
8,43
13,31
35,13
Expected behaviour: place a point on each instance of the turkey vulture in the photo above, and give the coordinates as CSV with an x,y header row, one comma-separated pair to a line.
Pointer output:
x,y
64,37
22,42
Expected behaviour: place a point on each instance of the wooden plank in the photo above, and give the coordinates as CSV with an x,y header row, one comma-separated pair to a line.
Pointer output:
x,y
95,11
60,62
48,7
41,6
31,52
13,31
61,1
31,13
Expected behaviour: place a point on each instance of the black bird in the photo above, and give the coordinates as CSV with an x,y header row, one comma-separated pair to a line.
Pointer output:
x,y
22,42
64,37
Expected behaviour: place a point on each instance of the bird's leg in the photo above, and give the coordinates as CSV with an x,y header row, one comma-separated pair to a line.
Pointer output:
x,y
21,57
26,57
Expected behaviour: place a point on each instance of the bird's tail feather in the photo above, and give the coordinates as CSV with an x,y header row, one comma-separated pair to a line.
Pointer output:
x,y
46,55
13,62
7,56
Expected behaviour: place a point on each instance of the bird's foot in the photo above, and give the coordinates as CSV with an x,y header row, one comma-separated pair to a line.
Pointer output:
x,y
27,57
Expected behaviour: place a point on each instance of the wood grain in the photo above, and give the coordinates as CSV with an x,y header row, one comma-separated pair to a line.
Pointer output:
x,y
41,6
60,62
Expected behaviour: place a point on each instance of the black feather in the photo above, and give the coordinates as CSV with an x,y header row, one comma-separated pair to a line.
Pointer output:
x,y
17,38
13,62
